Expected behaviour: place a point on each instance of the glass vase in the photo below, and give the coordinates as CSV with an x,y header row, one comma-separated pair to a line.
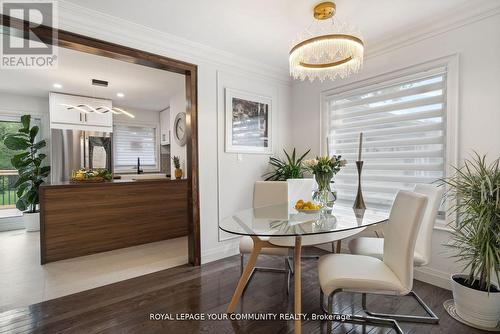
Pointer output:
x,y
324,192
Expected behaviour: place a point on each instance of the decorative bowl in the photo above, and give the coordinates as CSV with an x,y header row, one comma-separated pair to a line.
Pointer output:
x,y
308,211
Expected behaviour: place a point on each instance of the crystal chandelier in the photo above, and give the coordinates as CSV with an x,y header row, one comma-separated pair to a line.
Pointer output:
x,y
329,48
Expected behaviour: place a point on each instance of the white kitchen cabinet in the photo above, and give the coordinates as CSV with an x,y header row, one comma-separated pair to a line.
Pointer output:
x,y
165,127
63,116
100,119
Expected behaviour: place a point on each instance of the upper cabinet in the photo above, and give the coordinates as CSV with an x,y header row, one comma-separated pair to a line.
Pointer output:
x,y
66,111
165,127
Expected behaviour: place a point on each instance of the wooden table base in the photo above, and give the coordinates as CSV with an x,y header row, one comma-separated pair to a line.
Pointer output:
x,y
298,282
258,244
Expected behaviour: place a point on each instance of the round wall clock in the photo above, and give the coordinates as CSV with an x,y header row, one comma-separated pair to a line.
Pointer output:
x,y
180,128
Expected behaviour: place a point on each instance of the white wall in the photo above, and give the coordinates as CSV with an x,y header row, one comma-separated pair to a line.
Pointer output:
x,y
238,172
177,105
478,47
209,61
141,116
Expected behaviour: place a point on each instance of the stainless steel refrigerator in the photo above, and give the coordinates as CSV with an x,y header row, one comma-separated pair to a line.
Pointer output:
x,y
76,149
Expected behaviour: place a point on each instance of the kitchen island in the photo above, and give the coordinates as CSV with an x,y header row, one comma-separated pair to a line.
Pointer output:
x,y
79,219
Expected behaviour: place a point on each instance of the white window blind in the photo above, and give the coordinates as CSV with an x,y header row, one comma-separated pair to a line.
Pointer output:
x,y
403,124
132,142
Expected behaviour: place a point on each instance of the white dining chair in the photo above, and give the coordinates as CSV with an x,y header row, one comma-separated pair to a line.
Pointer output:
x,y
267,193
365,274
375,246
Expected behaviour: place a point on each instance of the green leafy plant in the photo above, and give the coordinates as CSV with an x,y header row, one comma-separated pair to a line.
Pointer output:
x,y
177,163
28,164
325,165
291,168
474,193
104,173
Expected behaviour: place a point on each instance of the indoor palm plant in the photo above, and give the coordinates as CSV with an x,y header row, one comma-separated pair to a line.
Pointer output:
x,y
31,172
291,168
474,194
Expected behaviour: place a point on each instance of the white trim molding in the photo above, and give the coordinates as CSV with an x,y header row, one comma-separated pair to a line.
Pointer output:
x,y
82,20
79,19
463,15
433,276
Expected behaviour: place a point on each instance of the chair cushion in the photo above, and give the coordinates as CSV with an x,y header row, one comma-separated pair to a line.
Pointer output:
x,y
246,247
357,273
374,247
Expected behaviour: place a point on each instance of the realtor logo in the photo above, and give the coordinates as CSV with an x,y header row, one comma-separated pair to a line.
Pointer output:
x,y
23,45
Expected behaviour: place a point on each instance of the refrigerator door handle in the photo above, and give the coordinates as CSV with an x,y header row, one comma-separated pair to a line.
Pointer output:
x,y
85,144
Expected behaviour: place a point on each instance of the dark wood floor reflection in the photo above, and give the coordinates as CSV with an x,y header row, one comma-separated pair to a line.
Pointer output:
x,y
125,307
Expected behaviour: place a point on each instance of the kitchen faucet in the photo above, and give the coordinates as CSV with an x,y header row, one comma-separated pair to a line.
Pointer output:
x,y
139,170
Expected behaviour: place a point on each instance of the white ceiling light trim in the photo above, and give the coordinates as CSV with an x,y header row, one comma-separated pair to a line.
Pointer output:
x,y
108,109
89,109
78,107
329,48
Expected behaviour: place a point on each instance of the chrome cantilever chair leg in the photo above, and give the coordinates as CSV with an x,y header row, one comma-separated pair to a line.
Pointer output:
x,y
288,271
356,319
431,319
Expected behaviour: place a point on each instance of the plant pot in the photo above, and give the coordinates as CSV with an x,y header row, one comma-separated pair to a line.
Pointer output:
x,y
178,173
475,306
32,221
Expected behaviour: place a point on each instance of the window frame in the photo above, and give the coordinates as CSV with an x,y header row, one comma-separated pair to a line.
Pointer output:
x,y
451,64
130,169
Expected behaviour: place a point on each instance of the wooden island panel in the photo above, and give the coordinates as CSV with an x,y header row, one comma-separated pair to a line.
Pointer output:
x,y
83,219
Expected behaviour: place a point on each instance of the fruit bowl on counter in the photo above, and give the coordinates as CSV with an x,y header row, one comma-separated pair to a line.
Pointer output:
x,y
91,176
307,207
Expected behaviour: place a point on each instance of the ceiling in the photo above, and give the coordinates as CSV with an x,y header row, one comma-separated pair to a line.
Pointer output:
x,y
144,87
262,30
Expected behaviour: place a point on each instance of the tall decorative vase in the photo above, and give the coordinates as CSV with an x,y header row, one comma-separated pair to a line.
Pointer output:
x,y
322,195
359,203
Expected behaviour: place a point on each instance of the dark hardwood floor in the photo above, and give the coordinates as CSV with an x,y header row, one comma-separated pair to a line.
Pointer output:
x,y
126,307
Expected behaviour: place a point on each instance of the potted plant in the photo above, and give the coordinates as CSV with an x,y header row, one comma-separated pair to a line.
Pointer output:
x,y
177,165
474,191
291,168
31,172
324,169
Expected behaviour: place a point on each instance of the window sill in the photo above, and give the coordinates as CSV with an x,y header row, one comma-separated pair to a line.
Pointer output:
x,y
10,213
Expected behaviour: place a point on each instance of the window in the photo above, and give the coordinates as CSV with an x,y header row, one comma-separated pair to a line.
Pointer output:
x,y
404,135
132,142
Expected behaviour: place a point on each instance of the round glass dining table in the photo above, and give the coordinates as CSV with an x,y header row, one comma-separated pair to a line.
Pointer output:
x,y
282,226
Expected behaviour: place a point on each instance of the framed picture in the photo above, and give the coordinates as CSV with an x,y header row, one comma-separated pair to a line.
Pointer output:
x,y
248,122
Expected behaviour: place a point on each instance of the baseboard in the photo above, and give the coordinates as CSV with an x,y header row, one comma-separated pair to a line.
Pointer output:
x,y
433,276
224,250
11,223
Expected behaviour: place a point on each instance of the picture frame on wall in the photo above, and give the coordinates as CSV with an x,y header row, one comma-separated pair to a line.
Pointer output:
x,y
248,122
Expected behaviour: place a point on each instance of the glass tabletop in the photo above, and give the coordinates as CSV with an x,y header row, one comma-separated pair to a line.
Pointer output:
x,y
284,220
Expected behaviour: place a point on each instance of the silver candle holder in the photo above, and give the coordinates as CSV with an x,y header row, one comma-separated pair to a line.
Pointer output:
x,y
359,202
